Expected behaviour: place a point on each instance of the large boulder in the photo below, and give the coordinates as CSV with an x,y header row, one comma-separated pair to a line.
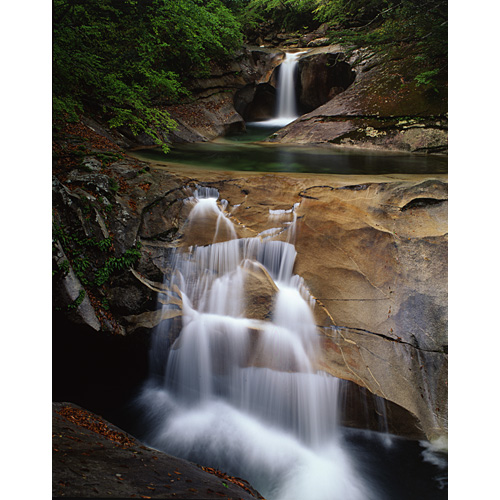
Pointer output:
x,y
206,118
259,292
94,458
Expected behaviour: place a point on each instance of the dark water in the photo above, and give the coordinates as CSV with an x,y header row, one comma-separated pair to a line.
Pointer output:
x,y
240,153
404,470
256,131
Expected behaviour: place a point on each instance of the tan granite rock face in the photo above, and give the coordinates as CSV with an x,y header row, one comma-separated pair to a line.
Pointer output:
x,y
375,257
380,246
260,292
210,110
373,252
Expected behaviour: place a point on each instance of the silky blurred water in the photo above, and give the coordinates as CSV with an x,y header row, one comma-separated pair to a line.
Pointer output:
x,y
242,394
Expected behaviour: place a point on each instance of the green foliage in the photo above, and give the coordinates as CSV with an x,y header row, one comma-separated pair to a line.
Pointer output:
x,y
427,78
66,106
81,265
289,14
113,185
62,268
104,245
108,158
394,27
97,271
127,58
125,261
348,12
76,303
105,303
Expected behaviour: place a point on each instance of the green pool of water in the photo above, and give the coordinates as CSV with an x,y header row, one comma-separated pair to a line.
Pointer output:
x,y
242,153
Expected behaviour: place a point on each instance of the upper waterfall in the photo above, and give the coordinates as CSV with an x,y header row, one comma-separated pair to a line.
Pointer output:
x,y
287,99
286,96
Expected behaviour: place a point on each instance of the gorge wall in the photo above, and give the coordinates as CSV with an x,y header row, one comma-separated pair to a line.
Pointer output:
x,y
372,251
352,98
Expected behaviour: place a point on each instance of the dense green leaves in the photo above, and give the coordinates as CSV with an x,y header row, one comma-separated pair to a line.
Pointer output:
x,y
395,27
127,58
406,28
288,14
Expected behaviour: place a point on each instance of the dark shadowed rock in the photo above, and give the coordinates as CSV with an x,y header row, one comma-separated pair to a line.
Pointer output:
x,y
322,76
256,102
94,458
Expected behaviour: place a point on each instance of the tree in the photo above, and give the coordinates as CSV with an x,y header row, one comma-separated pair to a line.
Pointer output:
x,y
126,58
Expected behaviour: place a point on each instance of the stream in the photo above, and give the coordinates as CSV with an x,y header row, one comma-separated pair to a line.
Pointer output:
x,y
241,394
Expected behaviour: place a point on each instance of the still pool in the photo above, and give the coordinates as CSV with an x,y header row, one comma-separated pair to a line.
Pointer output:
x,y
245,153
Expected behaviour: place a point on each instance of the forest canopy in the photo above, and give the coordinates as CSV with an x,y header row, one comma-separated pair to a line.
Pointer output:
x,y
126,58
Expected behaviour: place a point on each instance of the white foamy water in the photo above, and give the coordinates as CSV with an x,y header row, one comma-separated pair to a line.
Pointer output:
x,y
242,394
205,207
287,107
286,110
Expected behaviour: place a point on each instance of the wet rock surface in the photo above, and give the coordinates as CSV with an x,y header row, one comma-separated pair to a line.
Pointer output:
x,y
92,458
371,249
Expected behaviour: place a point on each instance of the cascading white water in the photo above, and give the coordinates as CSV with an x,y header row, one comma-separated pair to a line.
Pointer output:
x,y
287,107
242,394
286,110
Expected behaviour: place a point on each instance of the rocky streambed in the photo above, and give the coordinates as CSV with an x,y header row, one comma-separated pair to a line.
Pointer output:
x,y
371,249
348,97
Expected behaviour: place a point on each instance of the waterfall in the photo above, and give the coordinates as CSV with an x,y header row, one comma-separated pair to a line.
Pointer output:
x,y
286,109
239,391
